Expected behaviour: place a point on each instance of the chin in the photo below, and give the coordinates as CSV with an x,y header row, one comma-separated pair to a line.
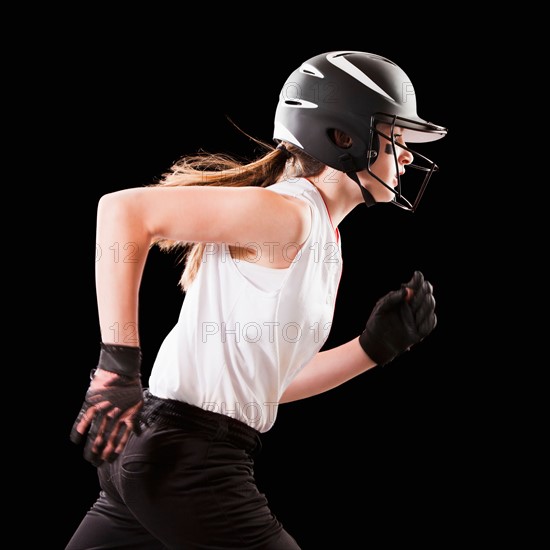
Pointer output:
x,y
385,197
382,193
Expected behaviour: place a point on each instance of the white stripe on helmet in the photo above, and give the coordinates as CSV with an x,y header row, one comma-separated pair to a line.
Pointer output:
x,y
282,132
338,60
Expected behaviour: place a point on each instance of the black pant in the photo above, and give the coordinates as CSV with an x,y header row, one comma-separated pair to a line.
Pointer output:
x,y
186,483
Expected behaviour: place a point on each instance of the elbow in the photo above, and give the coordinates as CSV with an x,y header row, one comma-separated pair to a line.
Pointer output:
x,y
113,212
121,205
122,212
113,216
110,202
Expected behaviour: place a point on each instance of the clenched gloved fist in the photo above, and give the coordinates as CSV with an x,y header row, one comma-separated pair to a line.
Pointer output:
x,y
399,320
112,402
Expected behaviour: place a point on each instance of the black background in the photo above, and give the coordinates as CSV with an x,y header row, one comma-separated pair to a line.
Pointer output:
x,y
385,456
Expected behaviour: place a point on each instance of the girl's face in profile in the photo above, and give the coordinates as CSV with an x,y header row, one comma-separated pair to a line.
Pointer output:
x,y
384,165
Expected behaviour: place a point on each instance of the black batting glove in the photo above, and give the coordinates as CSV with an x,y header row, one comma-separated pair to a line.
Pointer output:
x,y
399,320
112,403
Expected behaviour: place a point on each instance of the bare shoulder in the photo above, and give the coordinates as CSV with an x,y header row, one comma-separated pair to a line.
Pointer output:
x,y
233,215
282,217
282,224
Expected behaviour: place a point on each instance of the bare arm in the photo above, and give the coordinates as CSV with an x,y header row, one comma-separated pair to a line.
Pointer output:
x,y
129,220
327,370
127,223
123,243
399,320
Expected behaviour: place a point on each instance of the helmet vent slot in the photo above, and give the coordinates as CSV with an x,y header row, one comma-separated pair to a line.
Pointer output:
x,y
311,70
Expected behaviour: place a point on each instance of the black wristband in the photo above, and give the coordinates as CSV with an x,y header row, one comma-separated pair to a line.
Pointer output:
x,y
377,352
123,360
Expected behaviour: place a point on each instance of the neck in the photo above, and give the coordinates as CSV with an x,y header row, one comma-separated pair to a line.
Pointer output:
x,y
340,193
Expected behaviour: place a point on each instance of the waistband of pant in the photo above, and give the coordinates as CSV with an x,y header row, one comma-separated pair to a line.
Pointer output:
x,y
178,414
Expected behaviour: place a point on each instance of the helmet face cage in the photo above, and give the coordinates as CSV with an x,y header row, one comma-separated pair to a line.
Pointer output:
x,y
422,164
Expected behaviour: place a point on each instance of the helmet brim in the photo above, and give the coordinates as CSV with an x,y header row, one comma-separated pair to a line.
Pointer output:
x,y
415,130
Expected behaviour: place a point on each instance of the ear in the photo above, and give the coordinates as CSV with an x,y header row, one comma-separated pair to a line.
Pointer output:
x,y
339,138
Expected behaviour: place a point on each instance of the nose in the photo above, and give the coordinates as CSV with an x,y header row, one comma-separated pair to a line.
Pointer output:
x,y
405,157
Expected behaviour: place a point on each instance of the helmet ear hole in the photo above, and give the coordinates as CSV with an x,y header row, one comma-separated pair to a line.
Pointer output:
x,y
340,138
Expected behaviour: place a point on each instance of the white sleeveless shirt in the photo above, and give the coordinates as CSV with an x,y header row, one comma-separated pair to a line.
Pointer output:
x,y
245,330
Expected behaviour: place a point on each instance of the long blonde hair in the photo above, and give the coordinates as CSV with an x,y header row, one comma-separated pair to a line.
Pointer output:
x,y
221,169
